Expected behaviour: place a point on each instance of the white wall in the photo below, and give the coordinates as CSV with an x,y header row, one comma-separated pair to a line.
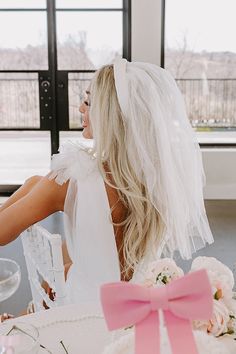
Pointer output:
x,y
220,169
146,31
220,163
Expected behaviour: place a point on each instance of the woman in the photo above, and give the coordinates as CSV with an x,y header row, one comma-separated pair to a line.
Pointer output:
x,y
136,194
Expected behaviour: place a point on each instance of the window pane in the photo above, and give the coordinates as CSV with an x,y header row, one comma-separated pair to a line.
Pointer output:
x,y
19,100
78,84
75,136
23,154
87,40
89,4
201,54
24,45
22,4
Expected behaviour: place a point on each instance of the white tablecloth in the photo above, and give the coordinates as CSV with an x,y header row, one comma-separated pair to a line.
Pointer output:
x,y
82,330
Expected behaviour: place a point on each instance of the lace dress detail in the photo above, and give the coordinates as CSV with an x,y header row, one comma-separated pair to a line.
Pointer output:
x,y
88,227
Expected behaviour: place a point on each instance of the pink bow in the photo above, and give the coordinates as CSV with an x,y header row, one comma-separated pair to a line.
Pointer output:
x,y
182,300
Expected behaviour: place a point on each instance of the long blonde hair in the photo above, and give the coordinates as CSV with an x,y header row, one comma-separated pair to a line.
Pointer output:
x,y
143,227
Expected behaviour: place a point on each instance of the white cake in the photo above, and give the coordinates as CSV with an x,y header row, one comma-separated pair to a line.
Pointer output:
x,y
207,344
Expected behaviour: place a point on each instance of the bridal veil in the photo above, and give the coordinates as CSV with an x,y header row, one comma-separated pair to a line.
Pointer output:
x,y
164,152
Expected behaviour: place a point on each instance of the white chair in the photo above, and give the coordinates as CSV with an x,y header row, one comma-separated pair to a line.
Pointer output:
x,y
44,261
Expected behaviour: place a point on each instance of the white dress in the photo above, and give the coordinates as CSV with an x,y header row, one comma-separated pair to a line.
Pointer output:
x,y
88,228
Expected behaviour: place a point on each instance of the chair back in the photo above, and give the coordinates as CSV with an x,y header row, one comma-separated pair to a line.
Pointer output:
x,y
44,261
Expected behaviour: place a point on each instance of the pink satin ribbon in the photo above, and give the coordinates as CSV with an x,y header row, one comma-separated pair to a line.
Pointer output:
x,y
183,300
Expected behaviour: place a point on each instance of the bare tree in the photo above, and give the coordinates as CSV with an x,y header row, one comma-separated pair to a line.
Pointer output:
x,y
180,61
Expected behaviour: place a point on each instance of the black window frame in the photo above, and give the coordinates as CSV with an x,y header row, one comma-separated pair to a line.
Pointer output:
x,y
49,122
162,60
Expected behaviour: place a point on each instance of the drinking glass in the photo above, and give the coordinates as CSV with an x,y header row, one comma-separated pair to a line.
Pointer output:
x,y
10,276
22,337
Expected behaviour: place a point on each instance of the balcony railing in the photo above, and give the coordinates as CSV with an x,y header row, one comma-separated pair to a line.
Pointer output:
x,y
78,83
209,103
19,103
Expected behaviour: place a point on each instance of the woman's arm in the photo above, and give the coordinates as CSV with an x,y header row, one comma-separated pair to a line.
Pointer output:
x,y
43,199
22,191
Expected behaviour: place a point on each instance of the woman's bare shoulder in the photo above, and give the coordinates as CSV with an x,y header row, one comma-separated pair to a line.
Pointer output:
x,y
44,199
49,190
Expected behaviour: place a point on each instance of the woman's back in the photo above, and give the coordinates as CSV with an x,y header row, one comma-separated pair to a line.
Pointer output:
x,y
93,212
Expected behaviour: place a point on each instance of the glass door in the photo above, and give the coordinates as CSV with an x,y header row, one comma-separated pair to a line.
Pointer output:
x,y
48,55
24,140
89,34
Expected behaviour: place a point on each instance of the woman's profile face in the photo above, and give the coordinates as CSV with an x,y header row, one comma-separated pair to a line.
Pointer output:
x,y
84,110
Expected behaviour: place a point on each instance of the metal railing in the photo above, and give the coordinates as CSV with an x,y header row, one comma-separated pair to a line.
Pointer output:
x,y
209,103
19,103
78,83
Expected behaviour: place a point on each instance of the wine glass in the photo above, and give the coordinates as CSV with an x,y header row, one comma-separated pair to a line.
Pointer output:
x,y
10,276
19,337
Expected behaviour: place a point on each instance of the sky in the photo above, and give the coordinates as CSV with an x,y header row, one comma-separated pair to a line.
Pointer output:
x,y
207,24
60,3
103,29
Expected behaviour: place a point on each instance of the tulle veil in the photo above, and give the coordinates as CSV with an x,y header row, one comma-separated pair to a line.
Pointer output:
x,y
165,153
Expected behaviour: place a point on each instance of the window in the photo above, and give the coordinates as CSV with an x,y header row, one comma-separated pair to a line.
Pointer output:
x,y
89,33
200,52
49,51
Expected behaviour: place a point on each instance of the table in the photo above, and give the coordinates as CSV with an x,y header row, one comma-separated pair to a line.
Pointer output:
x,y
82,330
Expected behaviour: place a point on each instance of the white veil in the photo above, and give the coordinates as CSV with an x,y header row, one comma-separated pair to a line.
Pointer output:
x,y
164,152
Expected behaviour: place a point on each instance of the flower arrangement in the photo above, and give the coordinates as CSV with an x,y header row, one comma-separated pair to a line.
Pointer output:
x,y
163,271
218,334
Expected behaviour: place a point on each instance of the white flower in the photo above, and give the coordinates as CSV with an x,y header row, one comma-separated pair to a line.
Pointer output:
x,y
212,264
218,324
232,325
162,271
207,344
232,307
220,276
232,321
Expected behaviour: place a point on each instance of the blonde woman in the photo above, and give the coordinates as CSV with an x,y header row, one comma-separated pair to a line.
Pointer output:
x,y
132,196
